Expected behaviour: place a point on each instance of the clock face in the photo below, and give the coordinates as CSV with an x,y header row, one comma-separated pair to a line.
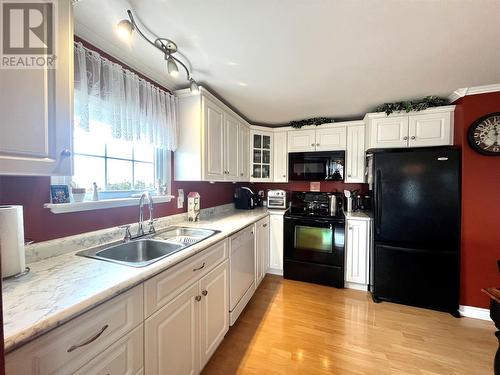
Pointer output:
x,y
484,134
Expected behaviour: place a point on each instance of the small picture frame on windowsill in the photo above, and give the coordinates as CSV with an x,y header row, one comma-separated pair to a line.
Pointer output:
x,y
59,194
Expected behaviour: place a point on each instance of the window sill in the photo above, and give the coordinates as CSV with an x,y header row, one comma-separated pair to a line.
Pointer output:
x,y
63,208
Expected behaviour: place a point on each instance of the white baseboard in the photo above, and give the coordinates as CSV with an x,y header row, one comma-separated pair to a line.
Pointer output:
x,y
474,312
356,286
274,271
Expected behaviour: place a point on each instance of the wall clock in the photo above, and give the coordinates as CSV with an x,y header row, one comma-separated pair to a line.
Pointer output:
x,y
484,134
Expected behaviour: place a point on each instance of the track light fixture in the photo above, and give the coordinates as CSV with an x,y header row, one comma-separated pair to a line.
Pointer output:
x,y
125,29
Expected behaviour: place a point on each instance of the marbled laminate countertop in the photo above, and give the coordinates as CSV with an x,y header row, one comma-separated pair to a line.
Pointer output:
x,y
60,288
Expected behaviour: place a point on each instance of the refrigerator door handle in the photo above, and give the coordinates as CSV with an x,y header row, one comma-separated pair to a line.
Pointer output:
x,y
378,203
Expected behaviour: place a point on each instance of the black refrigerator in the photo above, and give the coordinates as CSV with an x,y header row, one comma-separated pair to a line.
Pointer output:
x,y
416,225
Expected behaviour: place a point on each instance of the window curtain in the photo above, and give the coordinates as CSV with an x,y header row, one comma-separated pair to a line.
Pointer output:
x,y
134,109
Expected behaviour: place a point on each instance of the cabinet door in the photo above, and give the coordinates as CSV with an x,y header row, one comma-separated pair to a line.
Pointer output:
x,y
214,310
331,139
433,129
172,336
357,251
302,140
37,110
214,141
231,148
261,249
389,132
276,244
280,159
261,156
355,154
243,152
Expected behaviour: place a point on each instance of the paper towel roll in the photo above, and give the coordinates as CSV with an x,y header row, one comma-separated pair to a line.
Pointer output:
x,y
12,240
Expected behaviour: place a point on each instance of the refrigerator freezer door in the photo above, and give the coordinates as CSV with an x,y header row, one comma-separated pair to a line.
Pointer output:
x,y
417,198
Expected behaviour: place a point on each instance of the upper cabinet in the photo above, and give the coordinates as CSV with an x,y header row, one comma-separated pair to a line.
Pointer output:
x,y
37,110
280,157
355,153
261,155
431,127
213,140
320,139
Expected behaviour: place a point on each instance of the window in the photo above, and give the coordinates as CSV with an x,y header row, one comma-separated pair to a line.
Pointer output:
x,y
119,168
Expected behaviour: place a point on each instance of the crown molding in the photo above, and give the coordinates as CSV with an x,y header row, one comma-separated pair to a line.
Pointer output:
x,y
460,93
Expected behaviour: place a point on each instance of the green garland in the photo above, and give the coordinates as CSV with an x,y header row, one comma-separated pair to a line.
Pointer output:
x,y
412,105
311,121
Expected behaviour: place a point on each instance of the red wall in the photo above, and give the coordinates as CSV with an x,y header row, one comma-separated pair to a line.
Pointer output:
x,y
304,186
480,204
42,225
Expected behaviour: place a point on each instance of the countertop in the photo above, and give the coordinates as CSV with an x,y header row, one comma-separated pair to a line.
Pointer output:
x,y
358,215
60,288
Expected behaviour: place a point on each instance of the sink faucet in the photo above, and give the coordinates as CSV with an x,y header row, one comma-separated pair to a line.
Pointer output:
x,y
140,231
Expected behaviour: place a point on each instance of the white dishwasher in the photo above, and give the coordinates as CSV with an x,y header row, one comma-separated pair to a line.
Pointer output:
x,y
241,271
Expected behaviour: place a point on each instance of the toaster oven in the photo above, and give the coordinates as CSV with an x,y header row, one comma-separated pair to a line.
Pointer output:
x,y
276,199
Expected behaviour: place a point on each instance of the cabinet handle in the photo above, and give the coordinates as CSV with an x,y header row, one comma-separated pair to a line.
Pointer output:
x,y
197,298
199,268
413,137
205,292
65,153
92,339
405,138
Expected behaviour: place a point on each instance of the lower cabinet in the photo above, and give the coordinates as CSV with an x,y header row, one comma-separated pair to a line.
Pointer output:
x,y
181,337
276,228
261,249
357,253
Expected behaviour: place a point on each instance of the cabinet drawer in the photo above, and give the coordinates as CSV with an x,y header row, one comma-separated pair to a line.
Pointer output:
x,y
69,347
162,288
122,358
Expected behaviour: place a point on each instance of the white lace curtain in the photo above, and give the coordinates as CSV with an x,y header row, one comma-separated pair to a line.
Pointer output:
x,y
134,109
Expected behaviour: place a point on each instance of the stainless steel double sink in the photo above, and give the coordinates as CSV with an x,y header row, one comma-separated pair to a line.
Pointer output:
x,y
146,250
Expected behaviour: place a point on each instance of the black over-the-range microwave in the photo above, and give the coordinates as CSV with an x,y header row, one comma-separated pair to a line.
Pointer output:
x,y
316,166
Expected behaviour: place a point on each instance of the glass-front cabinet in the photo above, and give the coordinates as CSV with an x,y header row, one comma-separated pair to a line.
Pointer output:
x,y
261,155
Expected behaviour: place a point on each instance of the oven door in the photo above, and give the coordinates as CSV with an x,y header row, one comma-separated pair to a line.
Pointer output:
x,y
315,240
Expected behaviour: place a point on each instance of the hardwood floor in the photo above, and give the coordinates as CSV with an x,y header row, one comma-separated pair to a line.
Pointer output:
x,y
291,327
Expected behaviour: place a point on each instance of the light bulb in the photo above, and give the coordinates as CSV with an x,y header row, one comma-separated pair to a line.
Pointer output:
x,y
193,86
172,68
124,29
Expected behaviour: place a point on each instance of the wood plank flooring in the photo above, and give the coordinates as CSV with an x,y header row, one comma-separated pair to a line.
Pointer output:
x,y
290,327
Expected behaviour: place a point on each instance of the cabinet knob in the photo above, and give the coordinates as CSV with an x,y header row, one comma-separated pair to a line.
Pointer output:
x,y
348,175
265,225
65,153
317,144
405,138
197,298
350,228
205,292
413,137
284,175
241,174
312,144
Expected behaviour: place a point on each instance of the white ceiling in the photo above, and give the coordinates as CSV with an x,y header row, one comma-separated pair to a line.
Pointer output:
x,y
276,61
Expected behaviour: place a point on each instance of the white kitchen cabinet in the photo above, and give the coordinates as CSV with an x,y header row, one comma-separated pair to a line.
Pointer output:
x,y
214,316
261,154
181,337
231,153
280,157
431,127
355,154
261,249
125,357
331,139
302,140
208,145
244,152
172,336
214,142
276,230
37,110
357,252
